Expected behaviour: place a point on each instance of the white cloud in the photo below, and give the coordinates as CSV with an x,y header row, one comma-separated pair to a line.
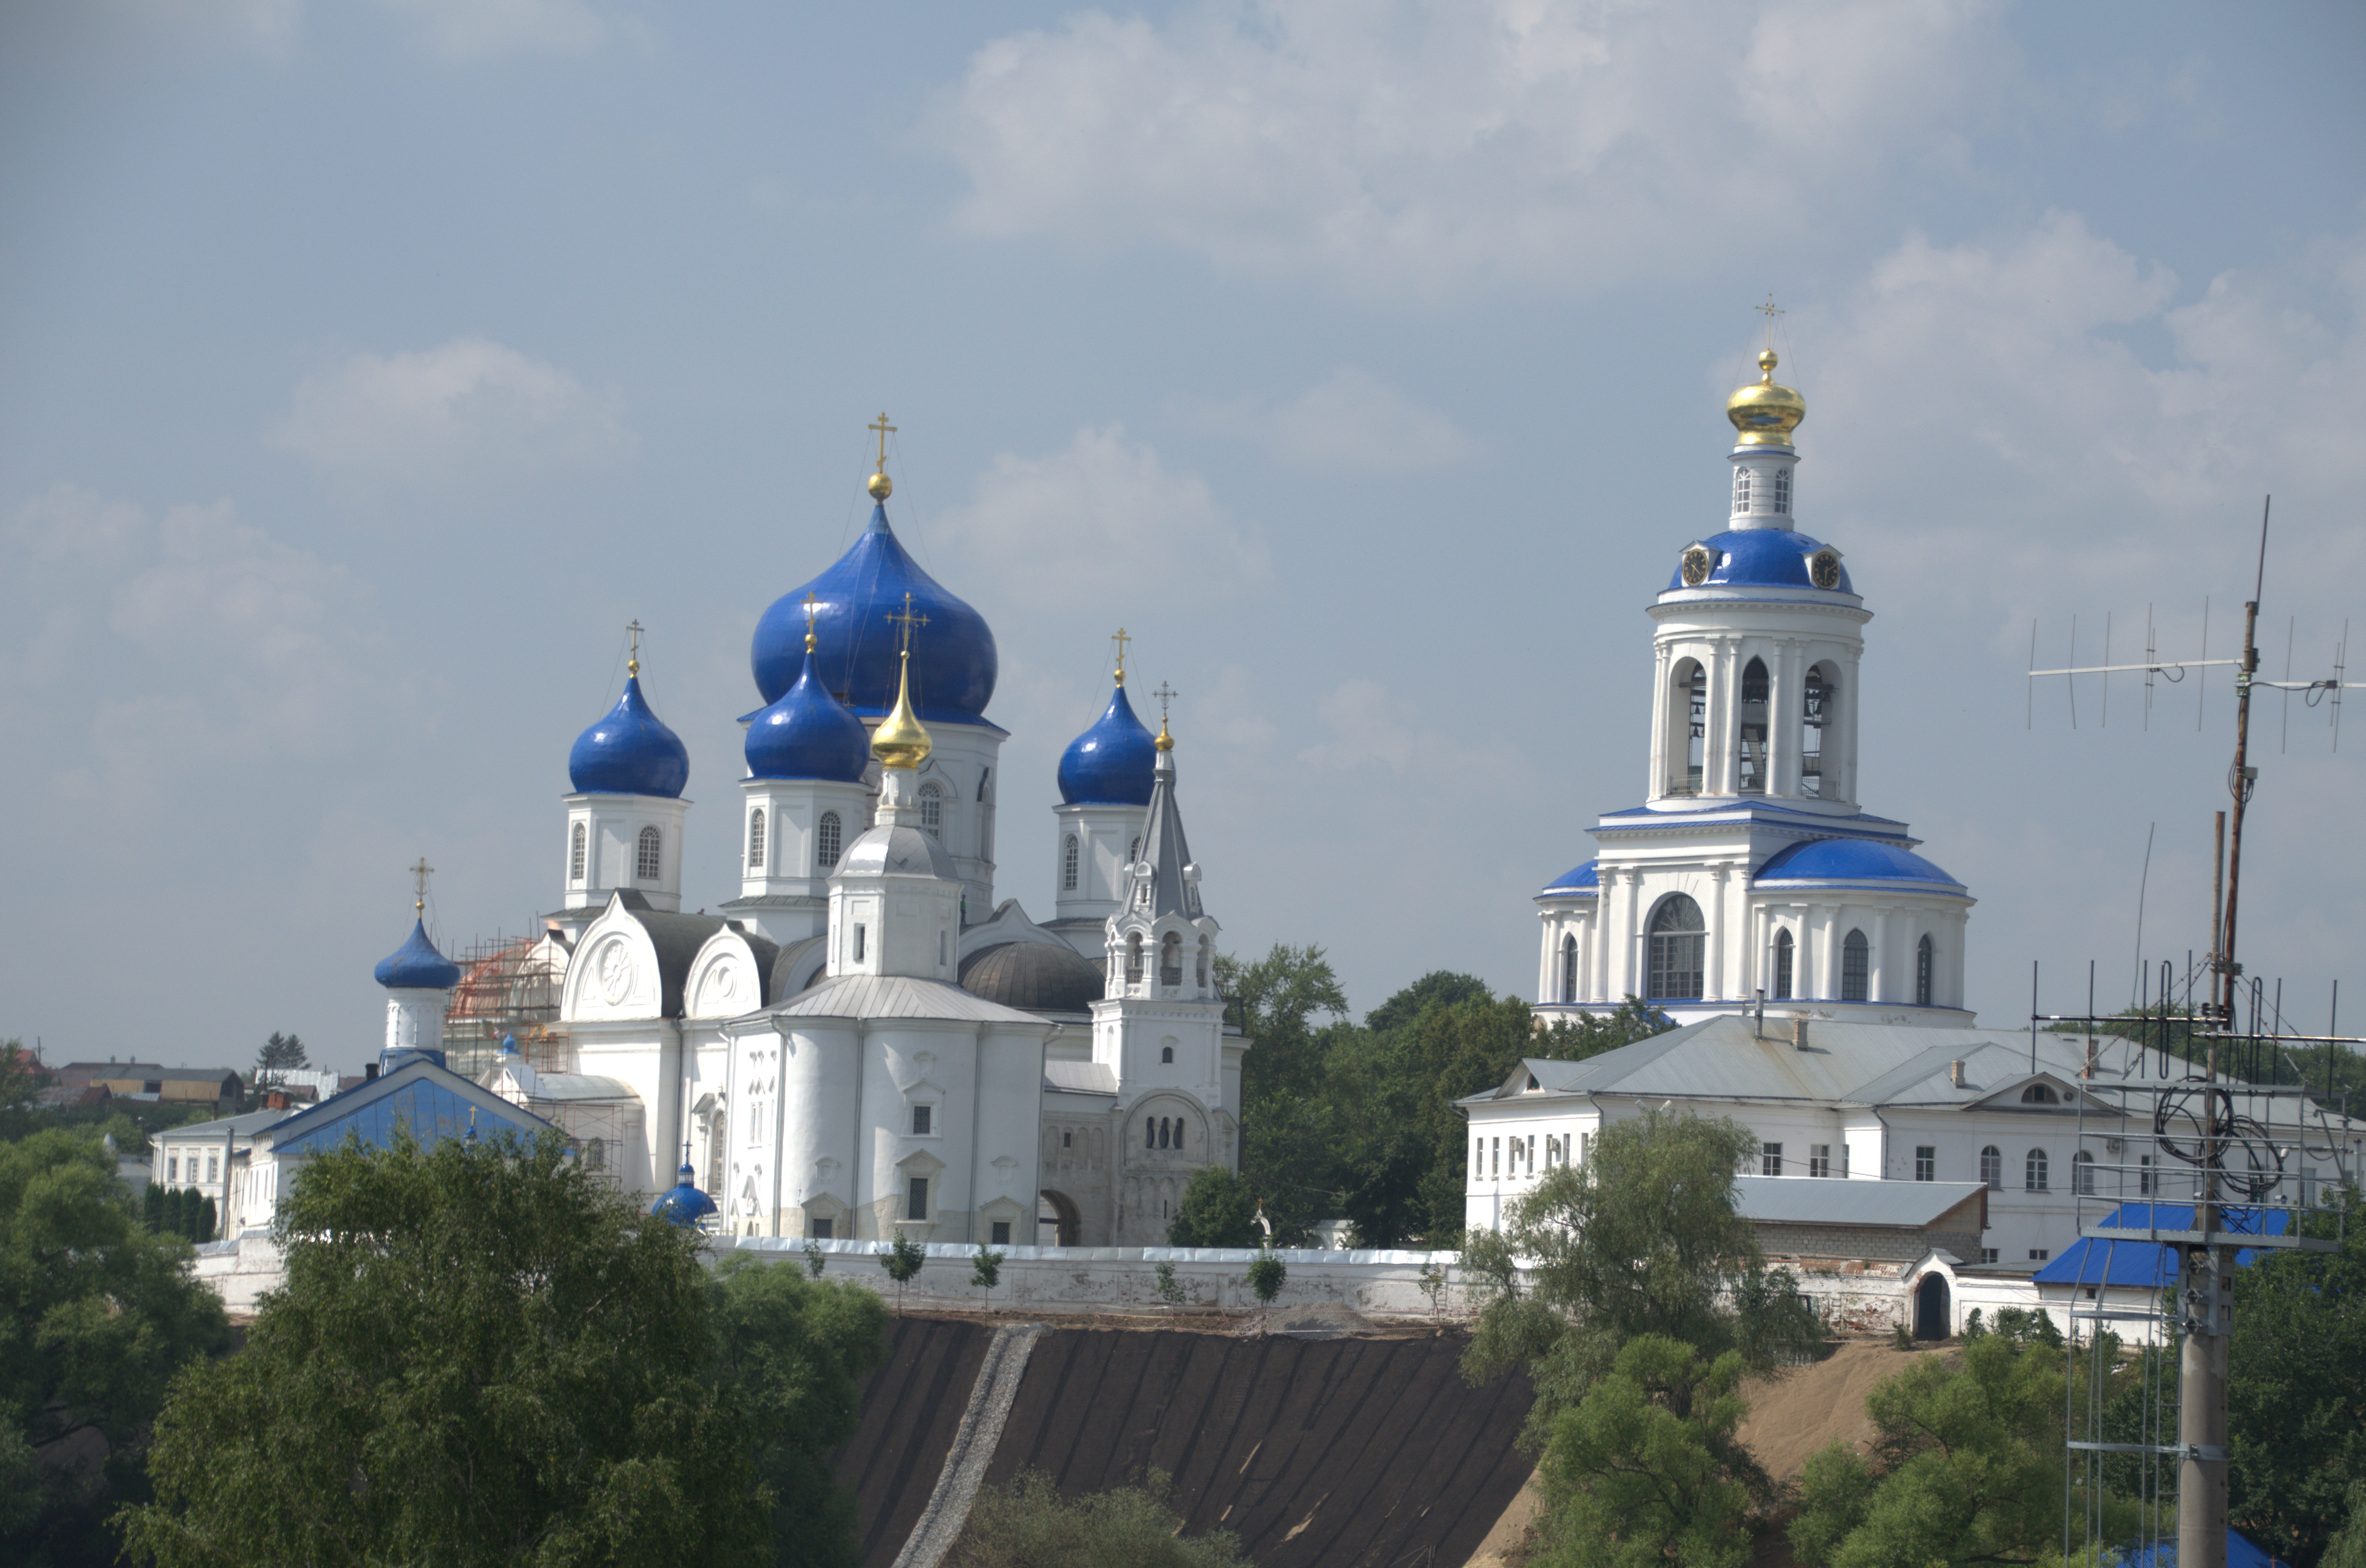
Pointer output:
x,y
468,410
1351,423
1437,142
1100,515
470,31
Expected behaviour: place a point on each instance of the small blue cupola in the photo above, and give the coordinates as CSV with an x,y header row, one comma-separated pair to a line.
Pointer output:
x,y
808,734
417,966
1112,763
630,751
684,1206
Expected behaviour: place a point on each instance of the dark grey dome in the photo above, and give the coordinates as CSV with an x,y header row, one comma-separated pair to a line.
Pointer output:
x,y
1034,977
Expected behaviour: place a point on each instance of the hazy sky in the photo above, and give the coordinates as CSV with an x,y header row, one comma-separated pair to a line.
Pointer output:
x,y
365,368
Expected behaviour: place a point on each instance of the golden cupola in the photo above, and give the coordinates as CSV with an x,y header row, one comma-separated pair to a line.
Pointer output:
x,y
1766,412
901,740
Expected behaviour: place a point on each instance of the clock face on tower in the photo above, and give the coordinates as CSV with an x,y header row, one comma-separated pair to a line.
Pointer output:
x,y
1824,568
1698,561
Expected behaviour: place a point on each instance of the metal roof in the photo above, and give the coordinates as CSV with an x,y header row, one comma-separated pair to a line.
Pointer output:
x,y
2149,1265
1080,1077
893,996
1808,1200
430,1102
244,1125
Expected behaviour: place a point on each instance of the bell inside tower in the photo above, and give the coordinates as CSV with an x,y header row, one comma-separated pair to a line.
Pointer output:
x,y
1752,730
1815,713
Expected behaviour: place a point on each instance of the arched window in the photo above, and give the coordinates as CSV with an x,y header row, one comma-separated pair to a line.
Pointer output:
x,y
1992,1169
1165,1133
932,808
1679,936
1783,490
1568,970
1166,1054
1926,964
1740,491
1752,731
646,863
1856,967
1170,959
575,853
1785,950
2083,1174
1206,948
1069,859
1815,712
2040,1094
1133,850
1134,958
1150,1132
2034,1171
1688,756
756,839
828,838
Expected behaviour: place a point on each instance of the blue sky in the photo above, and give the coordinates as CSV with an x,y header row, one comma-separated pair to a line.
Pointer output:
x,y
365,368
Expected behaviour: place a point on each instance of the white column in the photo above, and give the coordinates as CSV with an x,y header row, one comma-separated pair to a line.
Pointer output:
x,y
1848,733
1826,924
1783,720
1719,770
1877,966
1661,738
1720,934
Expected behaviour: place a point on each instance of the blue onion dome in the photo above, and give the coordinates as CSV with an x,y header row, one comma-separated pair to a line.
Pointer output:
x,y
807,734
1760,557
953,660
685,1205
417,966
629,752
1111,764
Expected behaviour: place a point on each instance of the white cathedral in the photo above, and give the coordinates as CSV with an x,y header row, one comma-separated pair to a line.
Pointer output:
x,y
864,1043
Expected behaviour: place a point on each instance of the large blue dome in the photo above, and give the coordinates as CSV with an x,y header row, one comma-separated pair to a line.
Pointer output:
x,y
953,661
629,752
1760,557
1111,764
807,734
417,966
685,1205
1850,860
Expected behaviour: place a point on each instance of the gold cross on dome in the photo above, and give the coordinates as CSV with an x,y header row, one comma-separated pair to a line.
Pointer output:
x,y
1165,694
632,662
419,875
1122,639
905,621
1770,310
884,429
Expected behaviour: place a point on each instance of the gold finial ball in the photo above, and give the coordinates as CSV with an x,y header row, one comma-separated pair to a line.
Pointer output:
x,y
881,486
1165,742
1766,413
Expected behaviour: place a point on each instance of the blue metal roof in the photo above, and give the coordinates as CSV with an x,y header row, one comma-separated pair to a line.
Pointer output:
x,y
431,1102
629,752
1760,557
1578,879
684,1205
417,966
1851,861
953,658
1111,764
2240,1553
808,734
2146,1265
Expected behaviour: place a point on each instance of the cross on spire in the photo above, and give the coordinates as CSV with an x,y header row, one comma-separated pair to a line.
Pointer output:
x,y
1770,310
632,662
1122,639
1165,694
812,604
419,875
905,623
884,429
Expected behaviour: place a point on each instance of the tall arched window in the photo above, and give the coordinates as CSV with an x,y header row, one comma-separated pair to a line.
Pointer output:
x,y
2083,1174
1992,1168
648,863
1134,958
1815,712
1679,937
1133,850
1740,491
1150,1132
1856,967
575,853
1687,745
1785,952
1069,856
1170,959
1166,1055
756,839
1751,729
1207,949
932,808
1926,965
829,836
1568,969
2034,1171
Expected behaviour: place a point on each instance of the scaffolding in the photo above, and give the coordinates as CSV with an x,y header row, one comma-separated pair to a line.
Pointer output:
x,y
2202,1144
508,988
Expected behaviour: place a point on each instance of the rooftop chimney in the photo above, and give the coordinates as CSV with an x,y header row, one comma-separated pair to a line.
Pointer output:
x,y
1955,1073
1798,1031
369,1070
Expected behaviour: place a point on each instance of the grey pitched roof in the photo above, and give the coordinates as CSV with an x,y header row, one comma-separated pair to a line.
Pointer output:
x,y
243,1126
893,996
1163,851
1805,1200
1080,1077
676,938
1038,977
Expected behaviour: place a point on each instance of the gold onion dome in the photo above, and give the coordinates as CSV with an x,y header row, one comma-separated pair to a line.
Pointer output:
x,y
901,740
1766,412
1165,741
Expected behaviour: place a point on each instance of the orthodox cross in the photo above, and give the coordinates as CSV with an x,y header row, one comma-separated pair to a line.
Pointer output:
x,y
633,662
907,621
1121,640
419,875
1770,310
812,604
1165,694
884,430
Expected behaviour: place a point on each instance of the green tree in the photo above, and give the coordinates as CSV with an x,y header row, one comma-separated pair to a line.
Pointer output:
x,y
1646,1468
1216,1210
280,1053
482,1355
796,1351
986,1272
97,1313
1029,1525
1287,1129
21,1081
1170,1290
1966,1467
901,1260
2346,1548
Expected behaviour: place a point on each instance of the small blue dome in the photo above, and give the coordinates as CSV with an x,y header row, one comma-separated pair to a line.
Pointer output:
x,y
807,734
629,752
417,966
953,660
1760,557
1586,879
1111,764
1850,860
685,1205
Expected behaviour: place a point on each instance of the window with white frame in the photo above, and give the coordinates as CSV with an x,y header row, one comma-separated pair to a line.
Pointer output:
x,y
1769,1160
2083,1174
1926,1163
756,839
1992,1168
924,1119
915,1198
829,836
1926,967
648,862
2034,1172
1819,1159
1071,856
575,853
1856,967
1568,969
932,809
2039,1254
1679,940
1989,1255
1784,949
